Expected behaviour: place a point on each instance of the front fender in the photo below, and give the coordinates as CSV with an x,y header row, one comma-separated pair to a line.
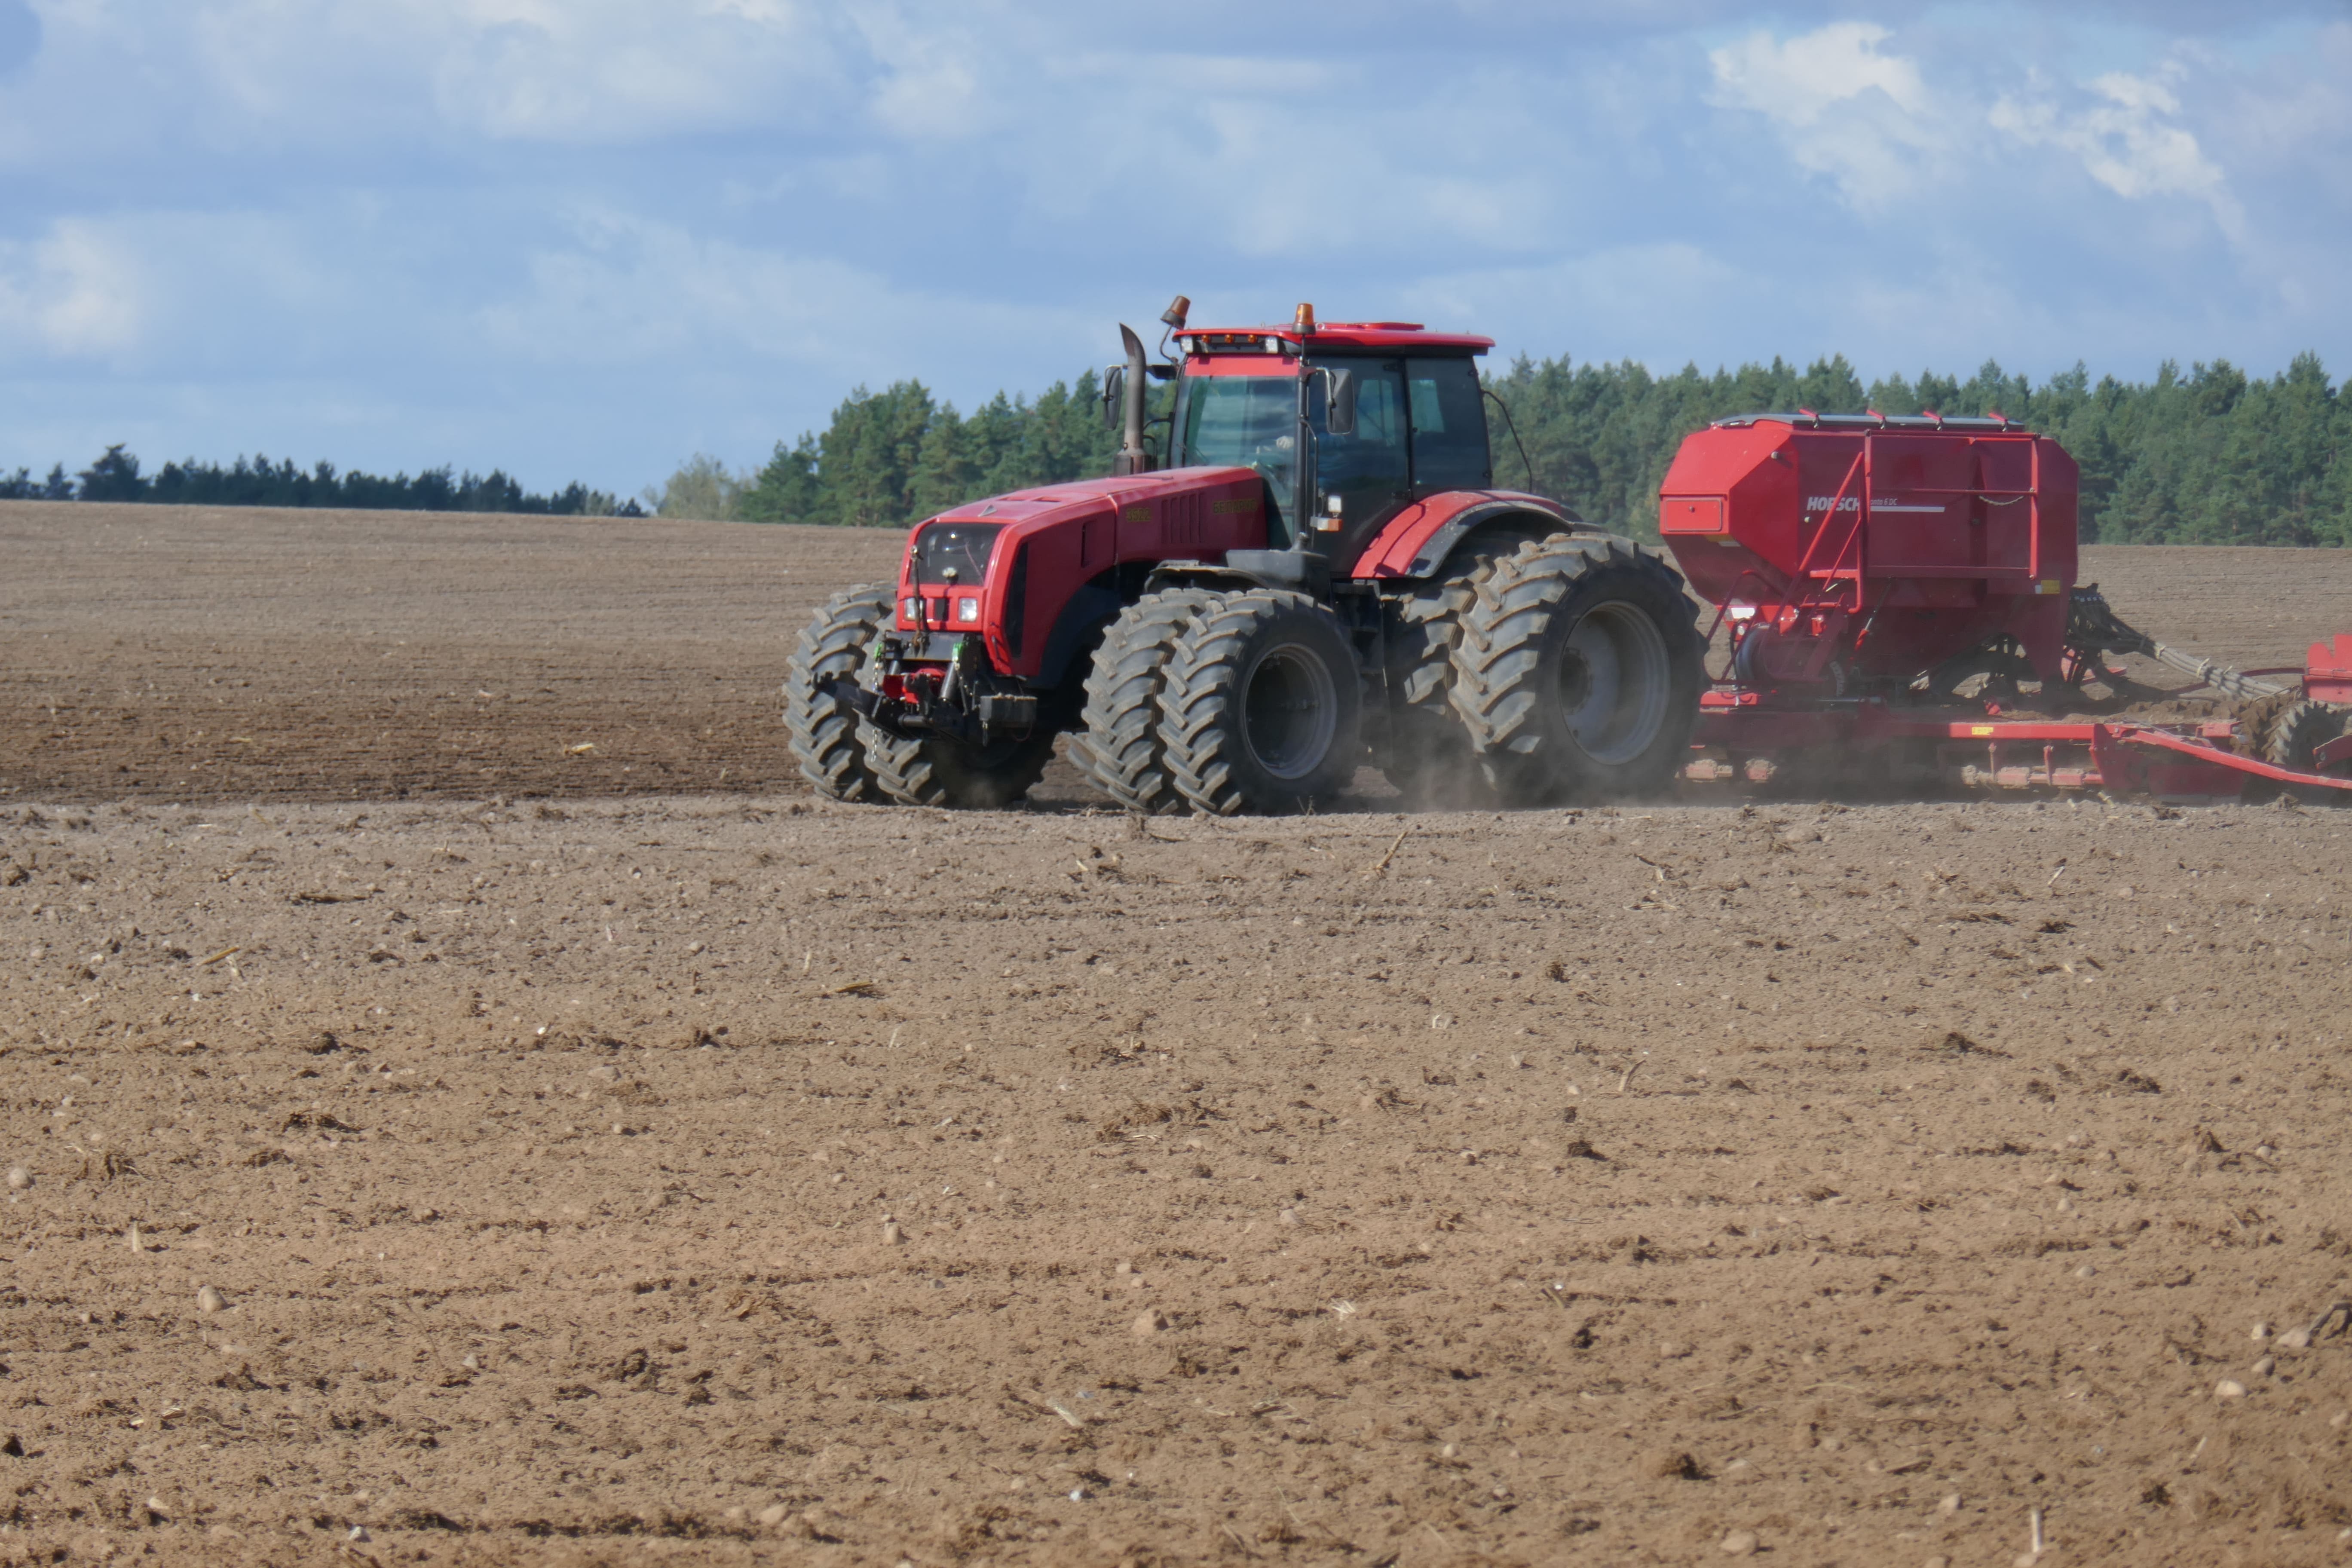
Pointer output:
x,y
1416,541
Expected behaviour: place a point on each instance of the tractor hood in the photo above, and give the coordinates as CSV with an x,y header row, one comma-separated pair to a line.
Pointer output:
x,y
1050,553
1047,504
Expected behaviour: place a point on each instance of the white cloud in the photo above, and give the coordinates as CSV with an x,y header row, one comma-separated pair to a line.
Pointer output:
x,y
623,290
221,295
75,292
1663,303
931,86
594,235
2129,141
622,70
1796,82
237,74
1844,109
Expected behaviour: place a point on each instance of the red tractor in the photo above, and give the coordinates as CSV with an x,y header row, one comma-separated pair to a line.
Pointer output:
x,y
1309,568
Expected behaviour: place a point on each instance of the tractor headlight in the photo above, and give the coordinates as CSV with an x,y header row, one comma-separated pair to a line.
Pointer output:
x,y
967,612
912,609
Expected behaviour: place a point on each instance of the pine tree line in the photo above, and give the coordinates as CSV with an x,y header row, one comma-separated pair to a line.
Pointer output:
x,y
2213,456
116,476
894,455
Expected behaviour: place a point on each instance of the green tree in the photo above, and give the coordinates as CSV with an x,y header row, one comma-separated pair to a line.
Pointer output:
x,y
887,459
2210,456
703,487
114,476
786,489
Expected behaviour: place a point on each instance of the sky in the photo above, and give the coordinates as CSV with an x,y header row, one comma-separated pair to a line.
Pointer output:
x,y
584,239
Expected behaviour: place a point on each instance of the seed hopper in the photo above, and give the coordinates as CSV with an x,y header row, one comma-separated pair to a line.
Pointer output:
x,y
1895,604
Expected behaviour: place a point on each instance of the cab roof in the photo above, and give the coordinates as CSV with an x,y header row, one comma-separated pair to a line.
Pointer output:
x,y
1409,336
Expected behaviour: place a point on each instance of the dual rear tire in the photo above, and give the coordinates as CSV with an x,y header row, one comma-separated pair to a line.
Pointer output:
x,y
1565,668
1578,670
1424,748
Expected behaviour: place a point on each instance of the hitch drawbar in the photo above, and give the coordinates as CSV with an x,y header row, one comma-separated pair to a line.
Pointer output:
x,y
962,699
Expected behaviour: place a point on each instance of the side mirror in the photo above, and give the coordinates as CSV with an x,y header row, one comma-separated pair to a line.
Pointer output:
x,y
1340,402
1114,394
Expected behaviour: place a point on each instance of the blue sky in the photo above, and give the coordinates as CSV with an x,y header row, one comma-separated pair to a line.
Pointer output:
x,y
584,239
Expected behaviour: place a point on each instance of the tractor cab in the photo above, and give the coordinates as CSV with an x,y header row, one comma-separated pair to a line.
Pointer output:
x,y
1346,422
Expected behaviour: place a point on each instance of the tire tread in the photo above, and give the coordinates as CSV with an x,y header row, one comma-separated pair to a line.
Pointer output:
x,y
1198,701
1497,659
828,739
1427,748
1121,745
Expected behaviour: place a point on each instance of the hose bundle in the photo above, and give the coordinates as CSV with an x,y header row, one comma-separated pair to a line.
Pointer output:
x,y
2093,627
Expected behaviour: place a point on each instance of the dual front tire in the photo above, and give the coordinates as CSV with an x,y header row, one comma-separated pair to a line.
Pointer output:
x,y
1196,700
1222,703
845,757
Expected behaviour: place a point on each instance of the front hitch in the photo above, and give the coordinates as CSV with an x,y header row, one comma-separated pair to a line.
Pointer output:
x,y
969,702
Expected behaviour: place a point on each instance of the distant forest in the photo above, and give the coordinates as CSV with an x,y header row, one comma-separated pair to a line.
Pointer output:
x,y
115,476
2214,457
2211,457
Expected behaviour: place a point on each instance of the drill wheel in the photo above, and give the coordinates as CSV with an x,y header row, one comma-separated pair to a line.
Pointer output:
x,y
2299,731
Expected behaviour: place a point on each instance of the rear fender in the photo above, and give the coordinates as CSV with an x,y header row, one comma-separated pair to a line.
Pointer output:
x,y
1416,542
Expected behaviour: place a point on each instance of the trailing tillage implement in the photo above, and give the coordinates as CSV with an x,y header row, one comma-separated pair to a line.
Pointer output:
x,y
1896,604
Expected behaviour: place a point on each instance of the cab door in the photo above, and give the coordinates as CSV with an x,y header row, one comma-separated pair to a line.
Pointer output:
x,y
1448,411
1370,471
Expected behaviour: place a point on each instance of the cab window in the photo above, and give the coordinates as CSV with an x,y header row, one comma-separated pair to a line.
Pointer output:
x,y
1374,459
1449,425
1368,472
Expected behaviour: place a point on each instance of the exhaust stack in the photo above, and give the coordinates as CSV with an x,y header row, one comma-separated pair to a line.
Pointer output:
x,y
1132,458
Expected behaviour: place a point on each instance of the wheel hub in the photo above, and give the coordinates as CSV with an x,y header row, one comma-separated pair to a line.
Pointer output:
x,y
1290,711
1615,682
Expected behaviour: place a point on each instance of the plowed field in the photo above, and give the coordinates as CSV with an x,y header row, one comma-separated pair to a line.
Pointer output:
x,y
439,1143
162,654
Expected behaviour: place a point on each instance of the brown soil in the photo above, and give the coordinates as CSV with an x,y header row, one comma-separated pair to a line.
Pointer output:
x,y
592,1180
161,654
